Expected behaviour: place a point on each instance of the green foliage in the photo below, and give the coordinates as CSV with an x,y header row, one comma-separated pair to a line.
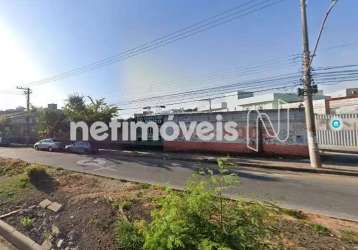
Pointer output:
x,y
321,230
201,218
52,123
12,186
76,109
349,236
26,221
128,236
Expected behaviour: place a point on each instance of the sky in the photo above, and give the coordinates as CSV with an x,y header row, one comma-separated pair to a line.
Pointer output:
x,y
41,38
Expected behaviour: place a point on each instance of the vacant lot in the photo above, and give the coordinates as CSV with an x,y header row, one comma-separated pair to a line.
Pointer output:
x,y
93,206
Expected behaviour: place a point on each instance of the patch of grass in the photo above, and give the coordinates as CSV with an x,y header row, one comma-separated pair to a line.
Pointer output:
x,y
12,186
10,167
127,205
294,213
26,221
349,236
321,230
128,236
146,186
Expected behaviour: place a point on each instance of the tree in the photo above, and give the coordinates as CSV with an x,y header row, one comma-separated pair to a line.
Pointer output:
x,y
76,109
52,123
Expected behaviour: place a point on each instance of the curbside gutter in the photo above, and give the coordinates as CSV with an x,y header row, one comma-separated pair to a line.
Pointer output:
x,y
16,238
167,156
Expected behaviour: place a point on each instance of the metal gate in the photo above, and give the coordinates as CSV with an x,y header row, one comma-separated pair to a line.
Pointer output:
x,y
338,132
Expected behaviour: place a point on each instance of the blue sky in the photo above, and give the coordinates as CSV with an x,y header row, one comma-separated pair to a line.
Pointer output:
x,y
39,38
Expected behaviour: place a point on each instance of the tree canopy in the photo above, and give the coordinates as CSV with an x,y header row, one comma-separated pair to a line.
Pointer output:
x,y
76,109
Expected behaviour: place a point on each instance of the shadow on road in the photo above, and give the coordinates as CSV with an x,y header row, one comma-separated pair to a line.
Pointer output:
x,y
171,165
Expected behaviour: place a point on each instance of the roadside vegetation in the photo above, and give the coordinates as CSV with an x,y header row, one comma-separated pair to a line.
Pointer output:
x,y
101,213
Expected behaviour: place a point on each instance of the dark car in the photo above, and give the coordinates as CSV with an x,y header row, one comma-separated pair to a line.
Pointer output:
x,y
82,147
49,144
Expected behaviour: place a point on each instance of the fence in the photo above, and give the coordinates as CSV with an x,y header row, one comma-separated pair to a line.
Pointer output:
x,y
344,138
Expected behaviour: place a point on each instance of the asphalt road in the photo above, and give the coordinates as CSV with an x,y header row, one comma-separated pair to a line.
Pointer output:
x,y
331,195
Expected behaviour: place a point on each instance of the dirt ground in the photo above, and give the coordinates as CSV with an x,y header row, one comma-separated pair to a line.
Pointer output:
x,y
91,207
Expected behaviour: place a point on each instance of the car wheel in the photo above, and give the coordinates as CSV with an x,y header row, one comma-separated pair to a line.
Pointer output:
x,y
50,149
37,148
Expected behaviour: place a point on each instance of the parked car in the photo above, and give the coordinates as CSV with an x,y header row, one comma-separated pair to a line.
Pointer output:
x,y
49,144
82,147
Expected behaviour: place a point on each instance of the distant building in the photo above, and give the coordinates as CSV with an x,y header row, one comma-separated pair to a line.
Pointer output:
x,y
52,106
282,100
343,102
267,101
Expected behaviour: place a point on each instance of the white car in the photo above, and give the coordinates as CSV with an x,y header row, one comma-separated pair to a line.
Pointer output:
x,y
49,144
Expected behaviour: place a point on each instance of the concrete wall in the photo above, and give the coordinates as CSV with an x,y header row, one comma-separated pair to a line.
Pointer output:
x,y
295,145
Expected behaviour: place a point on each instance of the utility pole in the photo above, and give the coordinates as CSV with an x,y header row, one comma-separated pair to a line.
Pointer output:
x,y
27,92
309,113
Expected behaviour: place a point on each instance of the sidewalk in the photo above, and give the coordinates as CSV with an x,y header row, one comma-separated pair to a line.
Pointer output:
x,y
333,163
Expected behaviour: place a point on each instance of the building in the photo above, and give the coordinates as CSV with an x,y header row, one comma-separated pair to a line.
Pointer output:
x,y
267,101
344,102
292,139
52,106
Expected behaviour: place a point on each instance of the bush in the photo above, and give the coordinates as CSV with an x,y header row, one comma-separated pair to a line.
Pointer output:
x,y
192,221
128,236
200,218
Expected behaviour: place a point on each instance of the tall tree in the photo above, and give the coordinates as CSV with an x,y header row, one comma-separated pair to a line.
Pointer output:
x,y
76,109
52,123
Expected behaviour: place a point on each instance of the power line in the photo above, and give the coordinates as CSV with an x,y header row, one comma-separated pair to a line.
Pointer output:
x,y
218,97
289,76
209,23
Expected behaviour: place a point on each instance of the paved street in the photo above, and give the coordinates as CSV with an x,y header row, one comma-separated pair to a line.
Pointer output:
x,y
328,194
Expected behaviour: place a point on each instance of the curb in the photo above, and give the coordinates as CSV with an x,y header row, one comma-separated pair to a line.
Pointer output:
x,y
16,238
252,165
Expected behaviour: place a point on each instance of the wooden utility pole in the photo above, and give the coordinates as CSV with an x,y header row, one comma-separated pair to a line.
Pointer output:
x,y
27,92
309,113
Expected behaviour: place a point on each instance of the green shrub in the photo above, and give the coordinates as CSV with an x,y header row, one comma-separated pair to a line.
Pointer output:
x,y
26,221
201,218
128,236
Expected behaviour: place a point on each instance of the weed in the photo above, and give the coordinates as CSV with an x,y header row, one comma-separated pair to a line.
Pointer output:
x,y
321,230
26,221
349,236
146,186
128,236
127,205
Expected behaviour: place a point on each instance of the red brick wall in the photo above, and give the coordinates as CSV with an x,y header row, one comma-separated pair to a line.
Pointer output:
x,y
268,149
285,150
